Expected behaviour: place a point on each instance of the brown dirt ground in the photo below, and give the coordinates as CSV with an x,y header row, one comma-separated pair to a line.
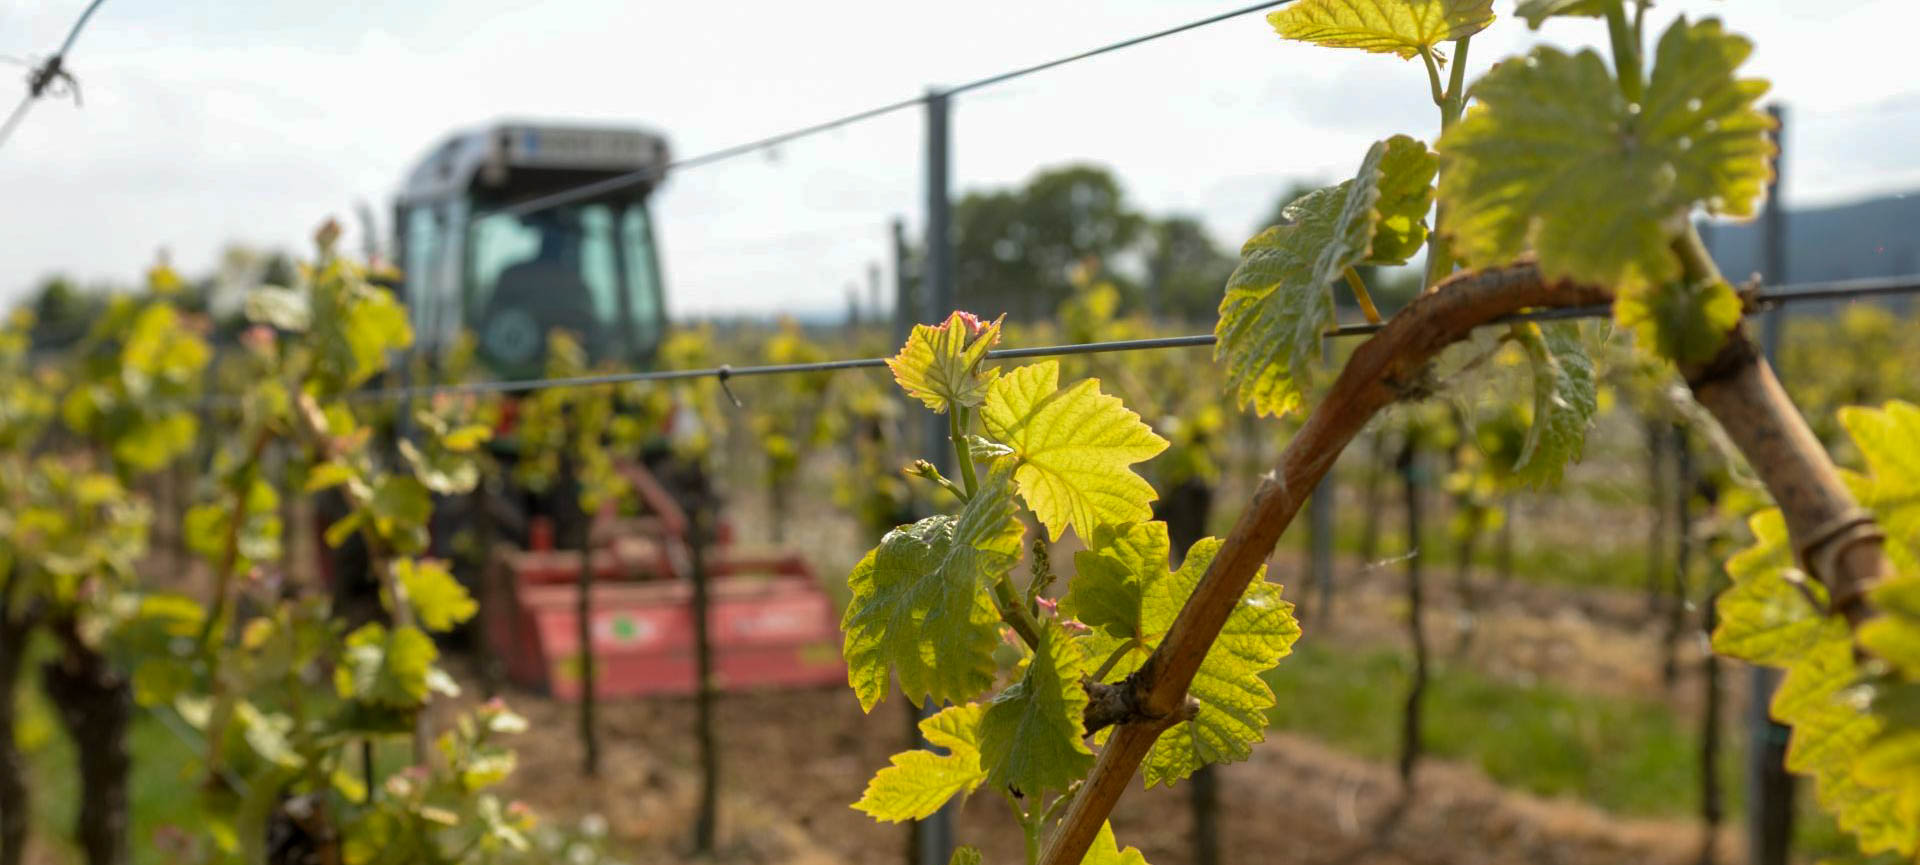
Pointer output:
x,y
792,762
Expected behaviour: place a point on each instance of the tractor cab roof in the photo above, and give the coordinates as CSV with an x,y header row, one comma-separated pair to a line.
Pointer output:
x,y
510,160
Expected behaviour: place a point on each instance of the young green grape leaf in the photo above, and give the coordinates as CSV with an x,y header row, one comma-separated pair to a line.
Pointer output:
x,y
1258,633
940,364
1894,636
1538,11
386,668
1074,449
1106,850
1554,159
1403,27
1825,728
1831,730
920,781
1685,323
1891,485
1766,616
1406,194
921,607
1277,305
1564,400
1030,736
1108,586
437,598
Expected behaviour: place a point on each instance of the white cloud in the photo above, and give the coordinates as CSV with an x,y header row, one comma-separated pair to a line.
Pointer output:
x,y
208,122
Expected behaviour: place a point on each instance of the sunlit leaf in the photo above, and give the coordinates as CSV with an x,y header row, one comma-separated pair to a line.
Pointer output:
x,y
1258,633
1402,27
921,607
1765,617
386,668
940,364
1106,850
1278,305
1075,448
1536,12
1552,158
437,598
920,781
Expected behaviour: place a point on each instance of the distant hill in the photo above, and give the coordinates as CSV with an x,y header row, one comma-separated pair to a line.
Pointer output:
x,y
1880,237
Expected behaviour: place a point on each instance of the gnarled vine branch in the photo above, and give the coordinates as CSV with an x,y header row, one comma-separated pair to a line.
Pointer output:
x,y
1835,541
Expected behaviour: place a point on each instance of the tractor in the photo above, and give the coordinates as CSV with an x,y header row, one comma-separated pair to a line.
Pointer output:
x,y
474,263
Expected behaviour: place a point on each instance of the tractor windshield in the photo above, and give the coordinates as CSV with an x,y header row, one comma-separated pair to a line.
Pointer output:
x,y
585,268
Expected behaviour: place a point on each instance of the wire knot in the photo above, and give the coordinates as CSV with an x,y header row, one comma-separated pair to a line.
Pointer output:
x,y
723,374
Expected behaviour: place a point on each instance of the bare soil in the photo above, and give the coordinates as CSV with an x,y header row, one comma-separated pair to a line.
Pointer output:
x,y
793,762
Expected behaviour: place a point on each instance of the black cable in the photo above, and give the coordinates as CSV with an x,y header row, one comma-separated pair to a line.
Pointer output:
x,y
649,175
1764,298
54,69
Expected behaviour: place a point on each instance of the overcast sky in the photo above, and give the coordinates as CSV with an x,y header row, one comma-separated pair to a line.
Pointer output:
x,y
211,121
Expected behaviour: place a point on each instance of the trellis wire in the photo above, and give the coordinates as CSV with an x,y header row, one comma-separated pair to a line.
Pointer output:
x,y
649,175
1762,299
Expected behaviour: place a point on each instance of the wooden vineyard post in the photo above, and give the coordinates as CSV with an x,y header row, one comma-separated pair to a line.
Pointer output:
x,y
698,518
1408,464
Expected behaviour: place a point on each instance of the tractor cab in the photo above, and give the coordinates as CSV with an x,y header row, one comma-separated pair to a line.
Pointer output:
x,y
483,248
472,261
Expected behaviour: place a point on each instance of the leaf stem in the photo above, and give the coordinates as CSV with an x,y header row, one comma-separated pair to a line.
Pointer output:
x,y
956,430
1361,296
230,548
1030,826
1452,102
1015,613
1113,659
1456,85
1433,76
1626,51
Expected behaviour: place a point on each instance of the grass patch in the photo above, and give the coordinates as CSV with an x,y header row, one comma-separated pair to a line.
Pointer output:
x,y
1627,756
163,789
1599,565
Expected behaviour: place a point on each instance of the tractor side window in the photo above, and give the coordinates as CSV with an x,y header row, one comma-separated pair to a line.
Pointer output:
x,y
422,268
643,279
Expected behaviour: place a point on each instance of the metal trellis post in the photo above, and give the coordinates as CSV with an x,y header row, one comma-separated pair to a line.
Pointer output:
x,y
1769,786
937,292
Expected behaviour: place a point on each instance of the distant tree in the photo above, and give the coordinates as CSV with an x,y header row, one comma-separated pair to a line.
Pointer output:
x,y
1016,251
63,312
1186,270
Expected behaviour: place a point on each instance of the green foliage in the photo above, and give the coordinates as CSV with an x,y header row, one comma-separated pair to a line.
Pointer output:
x,y
386,668
1107,851
1536,12
1073,447
1686,323
1278,305
921,781
138,372
1554,159
1403,27
1850,732
437,598
1564,400
940,365
1030,733
920,606
1125,593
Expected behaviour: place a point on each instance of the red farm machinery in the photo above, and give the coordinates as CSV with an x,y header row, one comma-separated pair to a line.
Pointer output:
x,y
489,247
